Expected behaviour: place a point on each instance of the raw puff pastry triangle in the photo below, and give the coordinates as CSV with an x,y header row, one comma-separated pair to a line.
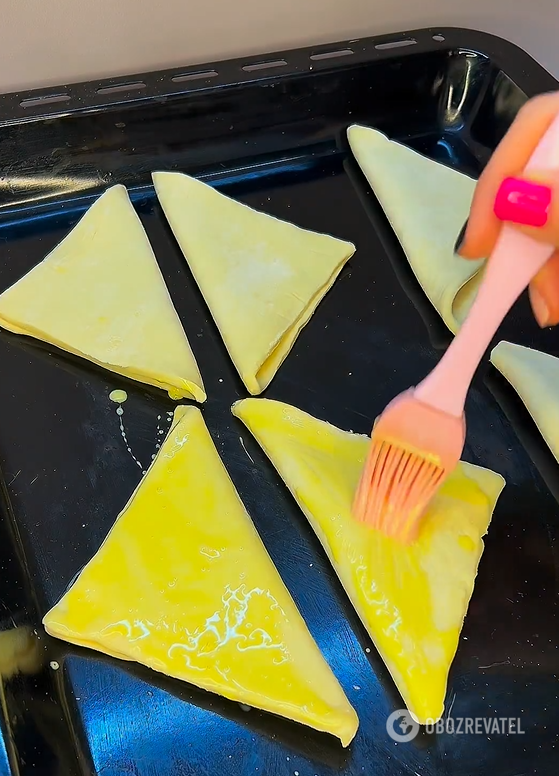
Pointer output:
x,y
100,295
262,278
184,585
412,599
427,204
535,378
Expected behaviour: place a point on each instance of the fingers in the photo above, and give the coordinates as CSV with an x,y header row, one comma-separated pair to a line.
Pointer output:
x,y
532,209
544,293
509,160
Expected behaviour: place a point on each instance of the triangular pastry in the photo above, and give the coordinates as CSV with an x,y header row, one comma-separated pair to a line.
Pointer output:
x,y
427,204
100,295
535,377
184,585
411,599
262,278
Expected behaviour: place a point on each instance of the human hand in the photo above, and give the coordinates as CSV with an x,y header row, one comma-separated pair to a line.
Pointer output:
x,y
541,189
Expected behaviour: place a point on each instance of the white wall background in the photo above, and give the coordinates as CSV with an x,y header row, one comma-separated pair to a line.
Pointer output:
x,y
49,42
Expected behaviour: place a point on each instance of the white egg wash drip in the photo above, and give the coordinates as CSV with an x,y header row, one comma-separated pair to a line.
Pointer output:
x,y
163,423
119,397
160,432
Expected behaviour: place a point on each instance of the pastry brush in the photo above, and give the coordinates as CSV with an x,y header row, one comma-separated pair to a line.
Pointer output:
x,y
419,438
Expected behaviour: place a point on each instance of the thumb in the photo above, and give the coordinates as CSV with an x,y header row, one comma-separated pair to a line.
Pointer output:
x,y
530,203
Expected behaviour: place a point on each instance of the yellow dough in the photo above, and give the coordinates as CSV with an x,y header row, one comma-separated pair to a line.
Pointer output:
x,y
100,295
412,599
184,585
535,378
262,278
427,204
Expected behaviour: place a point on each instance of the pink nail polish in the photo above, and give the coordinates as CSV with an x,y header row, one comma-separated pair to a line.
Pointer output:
x,y
523,202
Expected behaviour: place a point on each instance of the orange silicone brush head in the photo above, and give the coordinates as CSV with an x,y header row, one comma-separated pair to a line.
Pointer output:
x,y
414,447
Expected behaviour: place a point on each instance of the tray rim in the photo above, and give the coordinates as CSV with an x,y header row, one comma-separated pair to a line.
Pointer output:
x,y
78,98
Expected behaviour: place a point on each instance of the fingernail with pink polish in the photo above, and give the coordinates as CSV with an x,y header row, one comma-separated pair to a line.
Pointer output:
x,y
523,202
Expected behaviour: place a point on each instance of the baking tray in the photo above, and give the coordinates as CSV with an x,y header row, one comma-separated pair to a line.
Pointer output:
x,y
270,131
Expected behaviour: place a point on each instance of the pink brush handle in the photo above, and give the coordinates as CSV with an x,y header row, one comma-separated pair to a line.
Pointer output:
x,y
515,260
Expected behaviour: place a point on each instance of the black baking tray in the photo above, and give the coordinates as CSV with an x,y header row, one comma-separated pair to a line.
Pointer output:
x,y
271,132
